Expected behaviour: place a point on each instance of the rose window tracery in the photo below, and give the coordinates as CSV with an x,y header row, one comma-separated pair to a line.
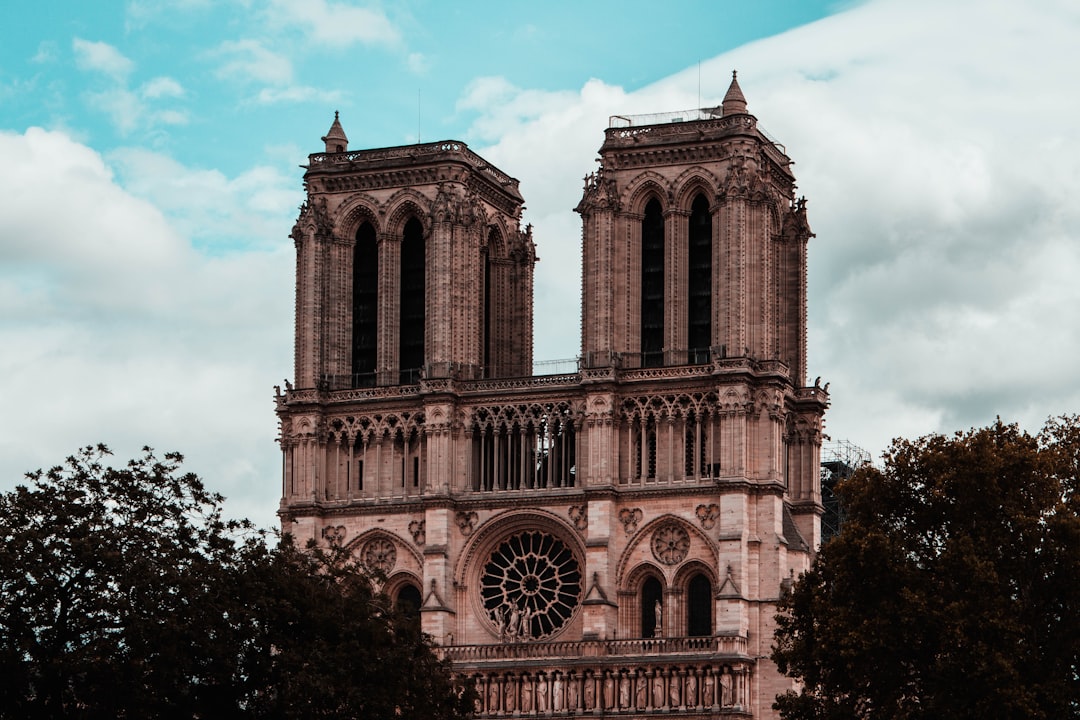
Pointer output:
x,y
670,543
379,554
530,586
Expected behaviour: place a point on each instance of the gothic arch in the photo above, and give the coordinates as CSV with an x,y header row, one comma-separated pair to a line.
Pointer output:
x,y
691,182
406,559
353,212
639,550
405,204
643,188
494,551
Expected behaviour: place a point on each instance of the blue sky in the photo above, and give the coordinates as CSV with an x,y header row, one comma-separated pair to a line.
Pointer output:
x,y
150,180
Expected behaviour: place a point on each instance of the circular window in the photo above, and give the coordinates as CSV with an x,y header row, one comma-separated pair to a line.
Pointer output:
x,y
670,543
530,586
379,554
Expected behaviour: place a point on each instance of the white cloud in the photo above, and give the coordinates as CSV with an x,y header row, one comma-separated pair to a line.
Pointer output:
x,y
296,94
942,186
251,60
336,23
46,52
116,315
162,87
101,57
418,63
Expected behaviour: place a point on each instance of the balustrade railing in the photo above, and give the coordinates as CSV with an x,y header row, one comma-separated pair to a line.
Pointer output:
x,y
725,645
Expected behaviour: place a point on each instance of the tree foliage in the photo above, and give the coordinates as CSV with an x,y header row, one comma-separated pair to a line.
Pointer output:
x,y
953,588
125,594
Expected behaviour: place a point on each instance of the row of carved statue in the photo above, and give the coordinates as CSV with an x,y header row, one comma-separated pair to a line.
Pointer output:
x,y
614,689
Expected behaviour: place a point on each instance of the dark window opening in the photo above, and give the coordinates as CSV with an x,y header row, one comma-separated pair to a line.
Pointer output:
x,y
699,315
652,594
413,303
365,306
409,601
699,606
652,285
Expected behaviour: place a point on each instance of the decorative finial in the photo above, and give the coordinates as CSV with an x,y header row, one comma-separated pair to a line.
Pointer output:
x,y
734,101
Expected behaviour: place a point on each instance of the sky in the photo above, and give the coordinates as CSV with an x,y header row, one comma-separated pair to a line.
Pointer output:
x,y
149,179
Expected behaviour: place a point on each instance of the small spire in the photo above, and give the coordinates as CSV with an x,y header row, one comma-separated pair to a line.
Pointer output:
x,y
734,101
335,138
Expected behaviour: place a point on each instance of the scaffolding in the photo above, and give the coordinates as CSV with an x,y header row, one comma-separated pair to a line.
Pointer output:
x,y
839,460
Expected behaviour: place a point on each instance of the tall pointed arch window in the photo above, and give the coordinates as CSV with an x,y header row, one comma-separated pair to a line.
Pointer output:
x,y
699,287
699,605
652,595
413,305
365,306
652,285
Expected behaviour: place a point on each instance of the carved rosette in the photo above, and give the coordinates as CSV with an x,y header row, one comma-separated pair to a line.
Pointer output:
x,y
630,519
379,554
670,543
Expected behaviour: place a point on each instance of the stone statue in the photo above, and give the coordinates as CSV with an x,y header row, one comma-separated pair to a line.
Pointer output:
x,y
609,692
658,691
691,690
673,691
708,685
542,695
658,610
526,617
590,693
514,623
572,693
511,700
641,692
526,694
624,692
557,693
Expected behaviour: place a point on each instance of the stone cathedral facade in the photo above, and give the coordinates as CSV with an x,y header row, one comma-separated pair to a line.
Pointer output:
x,y
608,541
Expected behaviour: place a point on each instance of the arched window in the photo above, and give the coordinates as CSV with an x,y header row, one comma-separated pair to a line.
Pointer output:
x,y
365,306
413,302
699,315
652,285
699,605
408,600
652,595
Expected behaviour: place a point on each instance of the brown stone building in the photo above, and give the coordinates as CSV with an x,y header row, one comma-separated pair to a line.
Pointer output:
x,y
607,541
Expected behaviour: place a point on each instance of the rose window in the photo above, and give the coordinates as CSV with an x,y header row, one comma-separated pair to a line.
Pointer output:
x,y
530,586
379,554
670,543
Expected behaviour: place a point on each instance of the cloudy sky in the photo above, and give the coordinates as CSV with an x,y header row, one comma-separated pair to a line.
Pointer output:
x,y
149,178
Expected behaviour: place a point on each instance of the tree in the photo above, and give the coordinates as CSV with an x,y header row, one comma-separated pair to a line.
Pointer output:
x,y
953,588
335,649
125,594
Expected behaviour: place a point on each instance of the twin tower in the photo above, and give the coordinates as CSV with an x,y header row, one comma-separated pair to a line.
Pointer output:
x,y
610,541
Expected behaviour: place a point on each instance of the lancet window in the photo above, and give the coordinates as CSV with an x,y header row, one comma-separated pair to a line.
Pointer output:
x,y
413,302
365,306
652,598
699,287
699,606
652,285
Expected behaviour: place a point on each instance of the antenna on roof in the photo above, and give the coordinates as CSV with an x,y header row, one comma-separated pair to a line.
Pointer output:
x,y
417,116
699,83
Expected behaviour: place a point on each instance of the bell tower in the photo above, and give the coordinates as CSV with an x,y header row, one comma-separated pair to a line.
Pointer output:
x,y
607,541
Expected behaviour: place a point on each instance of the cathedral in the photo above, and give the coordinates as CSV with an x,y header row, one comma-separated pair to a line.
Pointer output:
x,y
607,541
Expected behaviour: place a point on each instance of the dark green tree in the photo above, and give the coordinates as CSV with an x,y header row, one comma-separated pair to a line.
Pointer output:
x,y
329,647
125,594
953,588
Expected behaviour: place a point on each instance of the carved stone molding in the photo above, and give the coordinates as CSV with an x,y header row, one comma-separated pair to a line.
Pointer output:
x,y
630,519
670,543
466,522
417,530
708,515
379,554
579,516
334,534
